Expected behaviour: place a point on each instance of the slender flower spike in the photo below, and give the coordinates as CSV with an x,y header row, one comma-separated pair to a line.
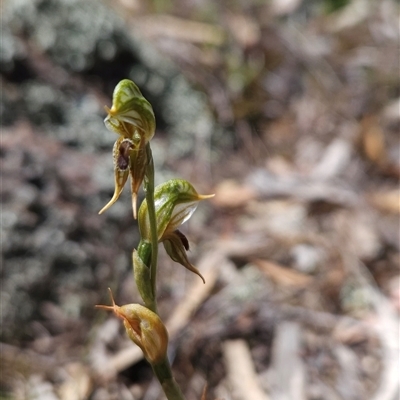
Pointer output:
x,y
144,328
175,202
132,117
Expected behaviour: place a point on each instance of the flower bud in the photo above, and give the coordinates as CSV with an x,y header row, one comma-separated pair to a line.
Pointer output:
x,y
144,328
142,278
131,115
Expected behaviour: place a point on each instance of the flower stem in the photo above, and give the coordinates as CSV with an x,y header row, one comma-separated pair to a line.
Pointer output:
x,y
149,188
161,370
168,383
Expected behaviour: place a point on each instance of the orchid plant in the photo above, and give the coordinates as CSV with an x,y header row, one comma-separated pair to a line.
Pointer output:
x,y
161,213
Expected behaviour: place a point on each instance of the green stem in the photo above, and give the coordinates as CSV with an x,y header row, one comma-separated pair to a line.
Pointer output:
x,y
168,383
149,189
163,369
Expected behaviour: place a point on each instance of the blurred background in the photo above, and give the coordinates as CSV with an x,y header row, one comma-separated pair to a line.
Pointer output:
x,y
288,110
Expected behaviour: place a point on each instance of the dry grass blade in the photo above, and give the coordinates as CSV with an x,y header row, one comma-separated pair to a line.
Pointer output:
x,y
283,276
210,265
241,373
388,331
180,29
287,366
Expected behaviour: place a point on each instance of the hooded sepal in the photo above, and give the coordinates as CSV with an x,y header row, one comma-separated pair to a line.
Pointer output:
x,y
131,115
175,202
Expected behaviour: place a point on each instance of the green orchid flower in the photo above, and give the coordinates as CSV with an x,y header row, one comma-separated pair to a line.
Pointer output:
x,y
132,117
175,202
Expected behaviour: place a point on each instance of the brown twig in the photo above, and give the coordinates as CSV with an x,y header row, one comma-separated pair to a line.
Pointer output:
x,y
241,373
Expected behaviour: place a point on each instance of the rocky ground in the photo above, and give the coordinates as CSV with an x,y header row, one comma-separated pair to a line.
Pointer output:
x,y
289,112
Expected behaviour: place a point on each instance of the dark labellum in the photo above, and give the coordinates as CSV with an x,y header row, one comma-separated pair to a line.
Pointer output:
x,y
123,156
183,238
